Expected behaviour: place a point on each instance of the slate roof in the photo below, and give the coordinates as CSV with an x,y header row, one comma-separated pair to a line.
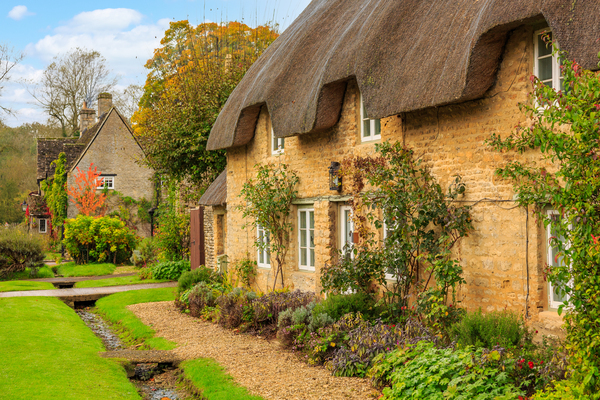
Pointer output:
x,y
48,151
216,194
404,54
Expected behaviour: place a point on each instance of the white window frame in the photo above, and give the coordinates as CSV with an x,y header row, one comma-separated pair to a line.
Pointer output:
x,y
264,253
549,257
277,144
372,124
45,225
110,179
388,276
306,233
555,81
343,234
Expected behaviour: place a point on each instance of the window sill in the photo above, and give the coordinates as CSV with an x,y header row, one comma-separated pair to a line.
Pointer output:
x,y
306,269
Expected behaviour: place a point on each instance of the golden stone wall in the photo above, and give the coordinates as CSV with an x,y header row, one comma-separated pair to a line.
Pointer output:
x,y
451,141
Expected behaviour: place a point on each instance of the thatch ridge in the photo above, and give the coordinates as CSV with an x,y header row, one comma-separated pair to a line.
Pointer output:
x,y
405,56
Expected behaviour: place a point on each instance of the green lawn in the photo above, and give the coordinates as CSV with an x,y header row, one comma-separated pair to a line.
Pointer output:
x,y
14,286
129,327
118,281
71,269
49,353
208,376
44,272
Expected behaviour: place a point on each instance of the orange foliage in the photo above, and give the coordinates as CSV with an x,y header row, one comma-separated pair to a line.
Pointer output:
x,y
84,192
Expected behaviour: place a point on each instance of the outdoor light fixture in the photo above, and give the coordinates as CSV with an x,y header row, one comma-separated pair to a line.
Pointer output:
x,y
24,206
151,213
335,181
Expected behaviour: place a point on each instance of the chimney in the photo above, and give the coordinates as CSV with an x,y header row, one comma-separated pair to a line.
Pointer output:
x,y
104,103
87,117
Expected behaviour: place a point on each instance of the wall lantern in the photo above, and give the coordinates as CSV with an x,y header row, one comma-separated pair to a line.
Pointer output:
x,y
335,181
151,212
24,206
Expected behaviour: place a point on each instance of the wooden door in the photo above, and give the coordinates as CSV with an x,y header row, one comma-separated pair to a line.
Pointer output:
x,y
197,255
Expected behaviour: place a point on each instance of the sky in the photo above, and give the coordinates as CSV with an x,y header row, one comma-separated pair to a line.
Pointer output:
x,y
125,32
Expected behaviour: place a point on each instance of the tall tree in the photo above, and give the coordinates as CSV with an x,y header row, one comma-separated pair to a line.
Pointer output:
x,y
128,100
191,76
8,60
70,80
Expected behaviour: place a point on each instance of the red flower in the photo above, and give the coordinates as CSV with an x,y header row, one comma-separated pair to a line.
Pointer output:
x,y
530,363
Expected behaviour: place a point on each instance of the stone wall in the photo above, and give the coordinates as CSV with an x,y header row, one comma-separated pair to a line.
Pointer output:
x,y
115,151
450,140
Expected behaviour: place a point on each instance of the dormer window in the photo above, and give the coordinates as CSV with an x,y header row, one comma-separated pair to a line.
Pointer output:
x,y
547,65
106,182
277,144
370,129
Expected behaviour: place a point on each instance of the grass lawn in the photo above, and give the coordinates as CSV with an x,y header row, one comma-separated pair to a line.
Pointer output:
x,y
129,327
14,286
49,353
119,281
72,269
44,272
126,269
208,376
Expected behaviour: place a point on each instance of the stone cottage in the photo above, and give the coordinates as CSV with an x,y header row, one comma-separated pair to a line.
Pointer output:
x,y
108,143
440,77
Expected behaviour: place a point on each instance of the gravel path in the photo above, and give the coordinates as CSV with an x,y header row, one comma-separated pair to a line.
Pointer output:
x,y
259,365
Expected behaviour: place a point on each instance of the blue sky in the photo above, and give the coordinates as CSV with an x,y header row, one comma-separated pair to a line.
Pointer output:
x,y
124,32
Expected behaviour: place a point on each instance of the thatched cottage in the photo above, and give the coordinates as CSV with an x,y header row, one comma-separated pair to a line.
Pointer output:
x,y
440,76
108,143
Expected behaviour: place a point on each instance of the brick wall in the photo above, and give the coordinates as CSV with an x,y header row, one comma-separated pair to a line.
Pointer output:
x,y
451,141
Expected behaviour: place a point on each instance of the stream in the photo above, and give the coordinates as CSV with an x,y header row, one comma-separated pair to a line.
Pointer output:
x,y
153,381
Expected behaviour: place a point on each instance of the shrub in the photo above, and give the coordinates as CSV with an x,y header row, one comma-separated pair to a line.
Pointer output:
x,y
203,274
503,328
233,305
423,371
98,239
145,273
246,271
173,234
266,309
338,305
19,251
170,270
146,254
201,296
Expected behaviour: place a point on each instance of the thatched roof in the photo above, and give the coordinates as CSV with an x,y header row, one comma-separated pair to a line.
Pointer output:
x,y
216,194
404,54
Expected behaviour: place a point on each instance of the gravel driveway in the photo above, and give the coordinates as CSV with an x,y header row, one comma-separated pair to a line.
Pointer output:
x,y
261,366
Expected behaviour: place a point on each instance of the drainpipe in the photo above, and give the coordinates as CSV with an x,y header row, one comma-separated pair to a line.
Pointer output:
x,y
527,260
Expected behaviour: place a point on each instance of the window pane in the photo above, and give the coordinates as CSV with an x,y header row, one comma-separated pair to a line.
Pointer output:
x,y
312,238
545,68
303,238
377,127
312,219
302,256
312,257
348,228
302,219
366,128
268,255
543,48
282,143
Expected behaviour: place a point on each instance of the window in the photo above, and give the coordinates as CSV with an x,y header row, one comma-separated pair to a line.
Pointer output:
x,y
263,257
556,294
387,231
43,225
107,182
277,144
306,238
547,66
347,230
370,128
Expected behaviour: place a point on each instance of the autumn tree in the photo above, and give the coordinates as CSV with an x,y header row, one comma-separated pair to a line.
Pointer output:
x,y
67,82
84,193
190,78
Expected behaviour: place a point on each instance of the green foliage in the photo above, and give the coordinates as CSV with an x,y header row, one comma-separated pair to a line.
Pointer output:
x,y
98,239
565,127
55,191
268,200
426,372
395,191
46,345
170,270
172,234
145,273
337,306
202,274
212,381
129,327
201,296
94,269
19,251
497,328
10,209
146,253
246,271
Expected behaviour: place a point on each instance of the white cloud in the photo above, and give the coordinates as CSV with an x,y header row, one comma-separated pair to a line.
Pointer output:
x,y
102,21
19,12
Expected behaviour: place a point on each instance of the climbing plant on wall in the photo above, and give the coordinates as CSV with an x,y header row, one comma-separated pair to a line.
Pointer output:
x,y
564,126
55,192
268,200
